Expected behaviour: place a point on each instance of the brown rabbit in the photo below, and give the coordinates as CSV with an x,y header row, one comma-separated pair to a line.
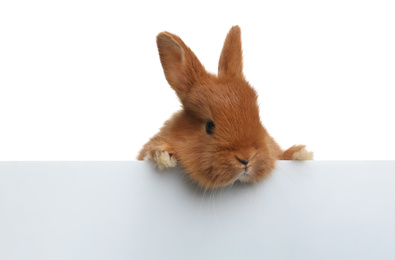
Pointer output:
x,y
217,137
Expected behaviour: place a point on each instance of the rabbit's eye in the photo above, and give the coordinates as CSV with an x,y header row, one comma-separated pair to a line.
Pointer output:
x,y
210,127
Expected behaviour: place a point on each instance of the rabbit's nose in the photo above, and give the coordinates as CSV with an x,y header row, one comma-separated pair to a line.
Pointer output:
x,y
243,161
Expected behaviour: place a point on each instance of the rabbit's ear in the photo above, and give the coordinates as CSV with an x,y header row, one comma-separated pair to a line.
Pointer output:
x,y
180,65
231,59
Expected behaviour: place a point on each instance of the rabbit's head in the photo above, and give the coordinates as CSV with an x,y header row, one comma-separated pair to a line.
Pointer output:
x,y
218,136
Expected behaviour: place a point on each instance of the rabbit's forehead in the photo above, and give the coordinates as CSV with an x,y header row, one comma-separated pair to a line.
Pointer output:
x,y
229,99
229,116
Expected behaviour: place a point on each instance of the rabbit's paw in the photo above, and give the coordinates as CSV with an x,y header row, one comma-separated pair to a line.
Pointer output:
x,y
303,154
161,158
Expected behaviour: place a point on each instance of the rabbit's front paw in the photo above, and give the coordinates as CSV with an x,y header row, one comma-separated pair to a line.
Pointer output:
x,y
161,158
303,154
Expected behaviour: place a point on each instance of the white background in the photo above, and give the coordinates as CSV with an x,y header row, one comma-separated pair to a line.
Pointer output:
x,y
81,80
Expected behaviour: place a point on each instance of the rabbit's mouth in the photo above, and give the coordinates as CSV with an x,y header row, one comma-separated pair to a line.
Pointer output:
x,y
244,175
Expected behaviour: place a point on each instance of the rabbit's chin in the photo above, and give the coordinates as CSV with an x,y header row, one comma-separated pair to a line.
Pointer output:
x,y
245,176
250,175
222,177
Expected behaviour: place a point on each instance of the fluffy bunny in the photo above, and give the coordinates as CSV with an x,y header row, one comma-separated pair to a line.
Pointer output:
x,y
217,136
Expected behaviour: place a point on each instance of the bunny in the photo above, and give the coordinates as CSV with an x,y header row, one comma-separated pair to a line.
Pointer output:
x,y
217,136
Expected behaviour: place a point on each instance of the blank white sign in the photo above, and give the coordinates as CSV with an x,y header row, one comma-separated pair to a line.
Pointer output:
x,y
129,210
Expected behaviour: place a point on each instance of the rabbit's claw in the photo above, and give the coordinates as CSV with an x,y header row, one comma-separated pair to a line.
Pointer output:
x,y
303,154
161,158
